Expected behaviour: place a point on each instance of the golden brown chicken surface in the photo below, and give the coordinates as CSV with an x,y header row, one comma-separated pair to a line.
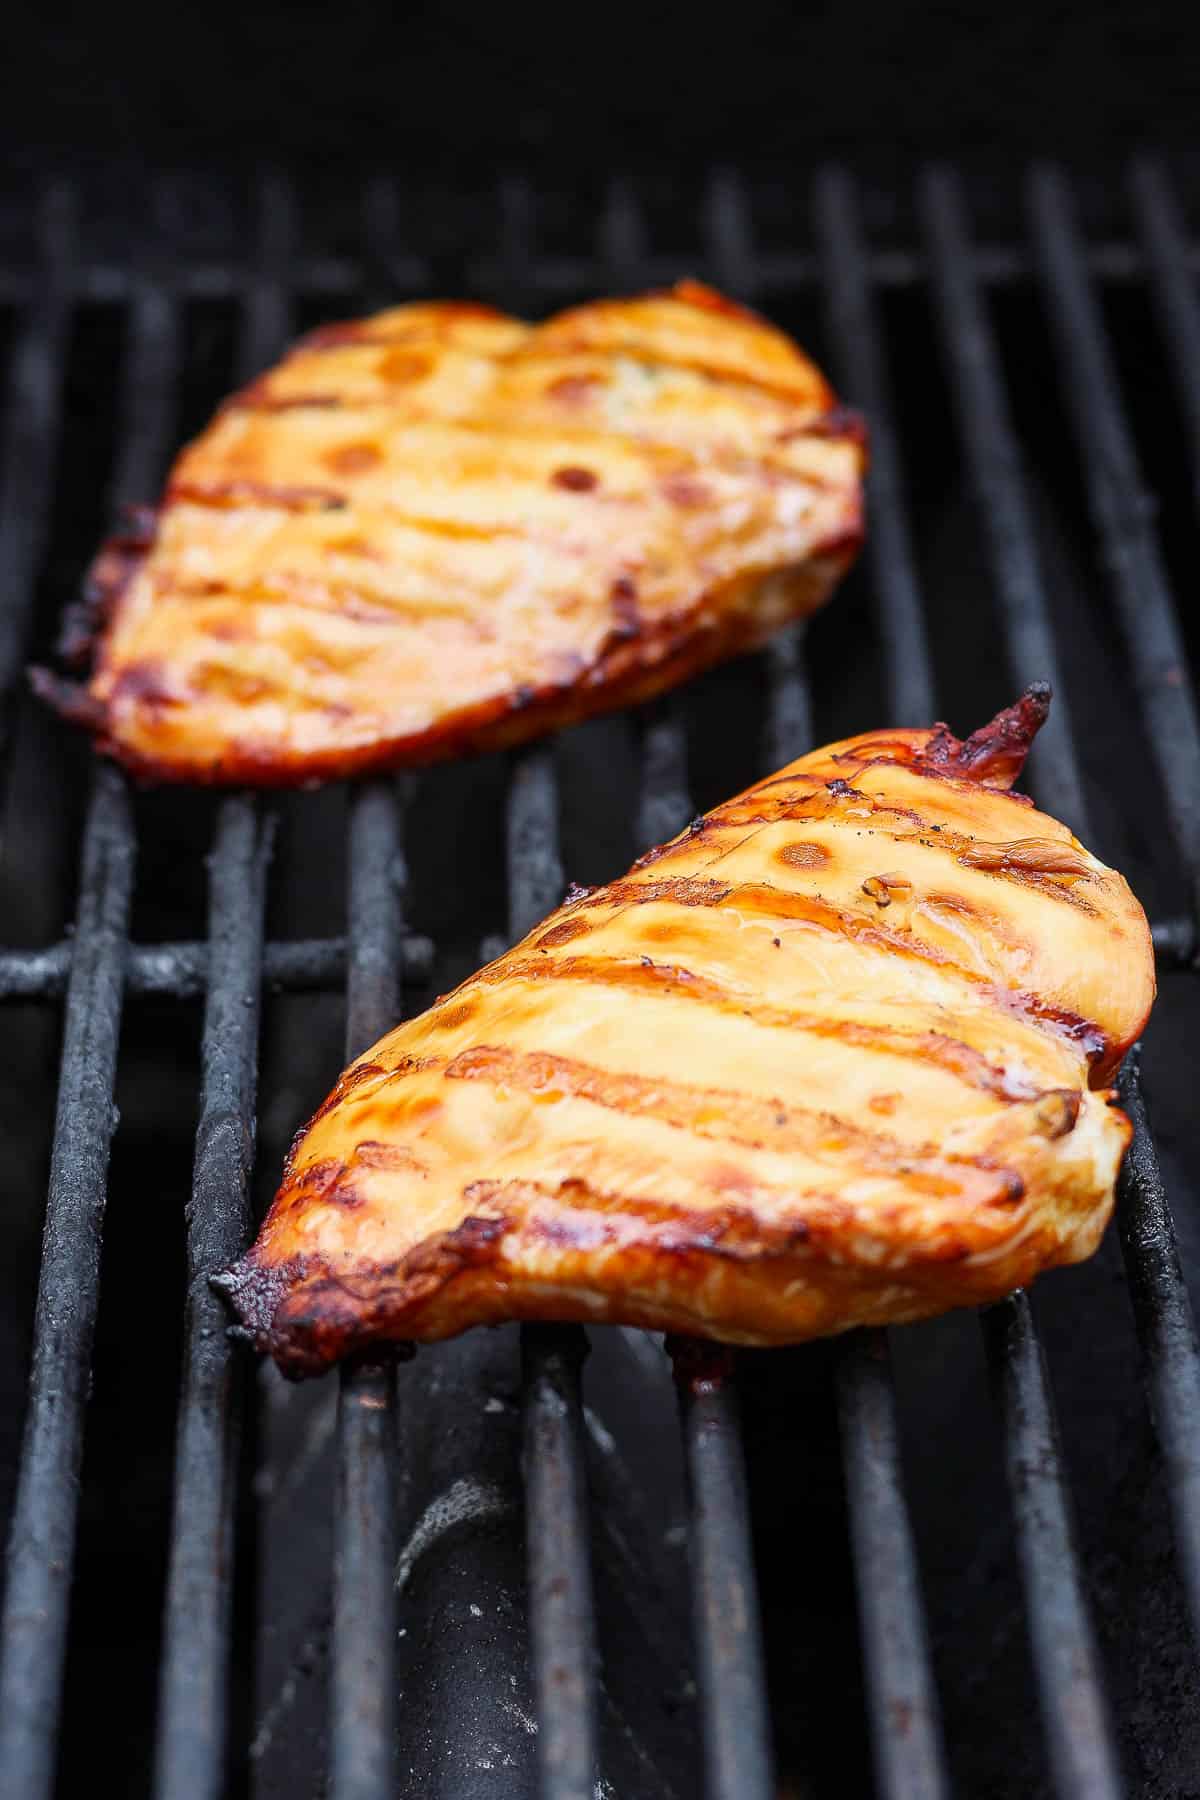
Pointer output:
x,y
838,1054
440,529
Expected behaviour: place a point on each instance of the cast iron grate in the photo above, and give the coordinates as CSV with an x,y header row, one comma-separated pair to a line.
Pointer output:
x,y
98,969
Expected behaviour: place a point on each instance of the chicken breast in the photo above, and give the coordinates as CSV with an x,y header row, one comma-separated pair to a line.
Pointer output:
x,y
838,1054
440,530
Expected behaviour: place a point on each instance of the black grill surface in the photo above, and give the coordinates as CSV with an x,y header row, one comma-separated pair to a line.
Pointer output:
x,y
960,1557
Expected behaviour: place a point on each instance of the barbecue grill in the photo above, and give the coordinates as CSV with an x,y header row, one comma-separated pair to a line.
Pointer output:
x,y
469,1581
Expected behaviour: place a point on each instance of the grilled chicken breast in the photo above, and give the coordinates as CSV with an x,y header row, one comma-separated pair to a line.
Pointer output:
x,y
440,529
838,1054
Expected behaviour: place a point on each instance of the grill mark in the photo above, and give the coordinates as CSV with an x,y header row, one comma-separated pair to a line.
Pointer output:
x,y
758,1124
227,496
359,603
824,805
252,402
651,356
574,1215
512,426
763,901
956,1058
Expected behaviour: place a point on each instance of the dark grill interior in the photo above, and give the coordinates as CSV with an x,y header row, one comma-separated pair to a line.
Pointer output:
x,y
1031,372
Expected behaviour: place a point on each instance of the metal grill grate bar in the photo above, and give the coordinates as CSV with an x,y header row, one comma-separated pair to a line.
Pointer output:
x,y
561,1622
193,1714
562,1629
858,349
1078,1730
1074,1708
906,1732
42,1540
362,1683
337,278
998,480
906,1727
906,1739
30,444
730,1670
1166,1325
1161,1304
737,1726
1122,509
1172,282
180,970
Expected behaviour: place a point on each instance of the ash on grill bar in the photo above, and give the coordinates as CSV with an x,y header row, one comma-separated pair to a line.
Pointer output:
x,y
510,1567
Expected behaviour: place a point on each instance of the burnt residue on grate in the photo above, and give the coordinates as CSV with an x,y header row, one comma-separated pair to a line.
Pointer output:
x,y
507,1567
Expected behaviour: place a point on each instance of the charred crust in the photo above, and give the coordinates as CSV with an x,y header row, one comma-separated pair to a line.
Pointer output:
x,y
345,1086
838,422
113,568
309,1314
565,932
297,497
995,754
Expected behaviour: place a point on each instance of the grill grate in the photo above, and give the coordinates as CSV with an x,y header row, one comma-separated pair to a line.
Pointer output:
x,y
98,968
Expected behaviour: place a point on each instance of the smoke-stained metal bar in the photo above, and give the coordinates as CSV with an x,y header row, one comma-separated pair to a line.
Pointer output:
x,y
1160,1300
1079,1733
739,1763
1166,1325
729,1655
561,1621
557,1548
1122,508
998,480
180,970
557,1538
1060,1629
1172,275
31,429
265,289
906,1734
362,1685
665,806
193,1711
857,342
42,1539
777,272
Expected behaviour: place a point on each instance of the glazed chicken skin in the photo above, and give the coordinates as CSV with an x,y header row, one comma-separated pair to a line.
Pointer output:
x,y
440,530
839,1054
